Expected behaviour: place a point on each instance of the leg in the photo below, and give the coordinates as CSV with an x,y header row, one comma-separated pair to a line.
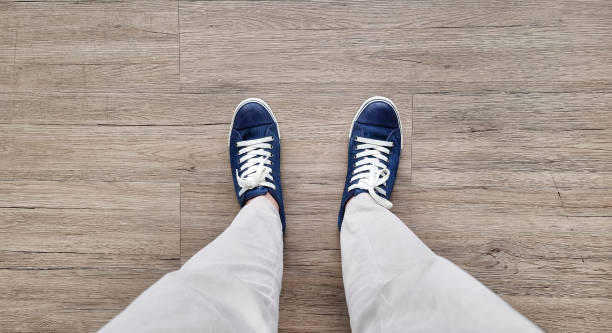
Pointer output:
x,y
395,283
232,285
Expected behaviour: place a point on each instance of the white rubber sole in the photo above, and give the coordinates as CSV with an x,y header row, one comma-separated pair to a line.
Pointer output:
x,y
379,99
249,100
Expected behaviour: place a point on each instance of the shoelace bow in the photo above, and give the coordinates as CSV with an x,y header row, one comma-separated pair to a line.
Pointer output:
x,y
371,173
255,169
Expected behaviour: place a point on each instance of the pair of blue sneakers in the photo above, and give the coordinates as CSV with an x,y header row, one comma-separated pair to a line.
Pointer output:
x,y
375,143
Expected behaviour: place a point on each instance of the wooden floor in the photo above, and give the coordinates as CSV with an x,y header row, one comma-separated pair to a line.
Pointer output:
x,y
113,132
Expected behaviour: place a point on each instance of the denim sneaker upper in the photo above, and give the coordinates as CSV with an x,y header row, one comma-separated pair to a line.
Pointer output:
x,y
375,143
254,149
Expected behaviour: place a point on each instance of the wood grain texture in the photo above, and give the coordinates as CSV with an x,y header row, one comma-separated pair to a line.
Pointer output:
x,y
163,145
72,255
89,46
552,139
339,42
113,133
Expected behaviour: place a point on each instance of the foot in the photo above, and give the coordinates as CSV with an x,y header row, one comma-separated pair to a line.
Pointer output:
x,y
254,148
375,143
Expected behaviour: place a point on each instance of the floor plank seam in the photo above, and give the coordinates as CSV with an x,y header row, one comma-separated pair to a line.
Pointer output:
x,y
178,23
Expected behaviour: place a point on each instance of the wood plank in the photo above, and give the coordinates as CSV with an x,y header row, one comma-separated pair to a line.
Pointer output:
x,y
580,315
338,15
89,46
464,55
561,140
320,107
125,144
74,254
362,49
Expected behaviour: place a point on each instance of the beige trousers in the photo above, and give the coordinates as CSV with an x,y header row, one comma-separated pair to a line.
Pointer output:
x,y
393,282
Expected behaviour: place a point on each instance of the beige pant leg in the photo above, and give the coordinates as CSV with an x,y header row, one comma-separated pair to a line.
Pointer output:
x,y
231,285
395,283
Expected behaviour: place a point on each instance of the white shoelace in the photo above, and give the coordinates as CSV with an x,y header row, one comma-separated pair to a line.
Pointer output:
x,y
256,164
371,172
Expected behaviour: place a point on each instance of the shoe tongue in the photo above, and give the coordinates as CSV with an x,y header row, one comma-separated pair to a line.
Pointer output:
x,y
374,132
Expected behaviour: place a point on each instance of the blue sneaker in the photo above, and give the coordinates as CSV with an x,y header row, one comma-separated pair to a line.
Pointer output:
x,y
375,144
254,149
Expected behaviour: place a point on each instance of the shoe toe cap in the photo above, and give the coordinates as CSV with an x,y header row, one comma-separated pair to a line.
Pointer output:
x,y
252,114
379,113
